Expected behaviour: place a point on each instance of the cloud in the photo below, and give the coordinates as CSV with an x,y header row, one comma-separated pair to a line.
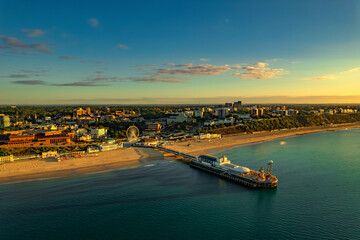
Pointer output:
x,y
17,76
185,65
227,20
68,57
79,84
97,79
18,46
100,62
159,79
34,71
204,59
326,77
261,74
122,46
28,74
259,70
99,72
261,64
29,82
90,82
335,76
351,70
93,22
190,69
33,32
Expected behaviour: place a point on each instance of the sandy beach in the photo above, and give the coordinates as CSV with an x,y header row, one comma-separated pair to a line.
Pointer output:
x,y
135,157
197,147
49,168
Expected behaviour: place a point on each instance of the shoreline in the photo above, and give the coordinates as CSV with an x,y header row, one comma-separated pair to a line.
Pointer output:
x,y
197,147
30,170
43,169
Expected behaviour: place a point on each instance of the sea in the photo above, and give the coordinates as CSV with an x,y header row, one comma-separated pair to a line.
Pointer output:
x,y
318,197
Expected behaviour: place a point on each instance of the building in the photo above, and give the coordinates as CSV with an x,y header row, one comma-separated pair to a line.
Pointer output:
x,y
98,132
80,111
120,113
49,154
147,142
88,111
283,112
330,112
109,147
189,113
222,112
4,121
230,120
257,111
292,112
179,117
36,138
237,105
84,138
199,113
153,128
80,131
208,136
5,159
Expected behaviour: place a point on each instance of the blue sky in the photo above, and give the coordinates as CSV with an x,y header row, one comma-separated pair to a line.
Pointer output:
x,y
132,52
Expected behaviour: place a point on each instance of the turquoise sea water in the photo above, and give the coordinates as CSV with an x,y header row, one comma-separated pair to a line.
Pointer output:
x,y
318,197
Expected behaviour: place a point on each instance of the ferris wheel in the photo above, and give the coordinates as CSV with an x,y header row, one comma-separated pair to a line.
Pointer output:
x,y
132,133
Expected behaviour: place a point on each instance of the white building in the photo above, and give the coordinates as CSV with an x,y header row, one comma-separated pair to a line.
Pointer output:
x,y
208,136
180,117
49,154
108,147
219,121
98,132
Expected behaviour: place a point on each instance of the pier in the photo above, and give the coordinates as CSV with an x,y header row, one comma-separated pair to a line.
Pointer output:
x,y
176,153
250,179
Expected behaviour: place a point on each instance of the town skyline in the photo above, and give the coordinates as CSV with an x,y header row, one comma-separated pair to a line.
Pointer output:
x,y
179,53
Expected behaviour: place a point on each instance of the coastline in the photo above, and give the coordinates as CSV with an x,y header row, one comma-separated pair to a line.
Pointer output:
x,y
49,168
42,169
197,147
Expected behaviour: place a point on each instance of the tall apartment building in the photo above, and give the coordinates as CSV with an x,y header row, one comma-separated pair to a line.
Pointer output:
x,y
237,105
222,112
256,111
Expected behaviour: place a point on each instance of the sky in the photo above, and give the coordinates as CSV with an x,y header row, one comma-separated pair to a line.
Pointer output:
x,y
179,52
